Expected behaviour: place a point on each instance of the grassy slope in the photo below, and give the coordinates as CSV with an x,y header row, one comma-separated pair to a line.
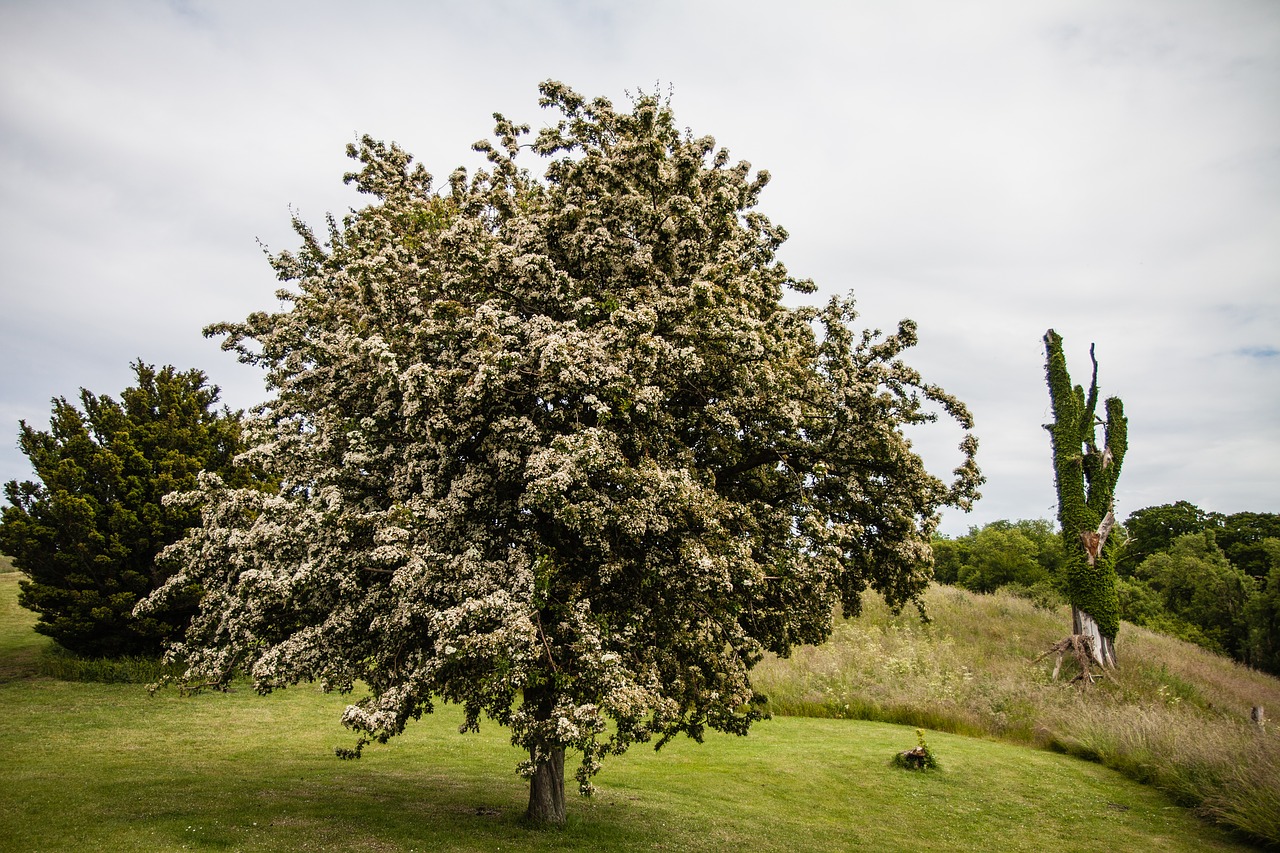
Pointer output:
x,y
93,766
972,665
1173,714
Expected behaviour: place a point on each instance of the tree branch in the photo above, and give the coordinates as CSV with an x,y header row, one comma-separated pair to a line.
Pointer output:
x,y
542,633
726,475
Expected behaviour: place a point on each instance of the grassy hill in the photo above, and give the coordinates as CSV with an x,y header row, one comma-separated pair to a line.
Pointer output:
x,y
105,766
1174,714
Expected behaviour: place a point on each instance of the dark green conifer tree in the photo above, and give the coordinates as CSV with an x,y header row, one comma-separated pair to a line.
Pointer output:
x,y
87,534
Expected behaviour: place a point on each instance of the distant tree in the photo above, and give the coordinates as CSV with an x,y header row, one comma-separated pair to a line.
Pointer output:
x,y
1000,557
1242,537
1023,557
1239,535
950,556
1264,614
990,557
1085,475
1198,586
1154,529
1140,604
555,449
1050,557
87,534
1046,585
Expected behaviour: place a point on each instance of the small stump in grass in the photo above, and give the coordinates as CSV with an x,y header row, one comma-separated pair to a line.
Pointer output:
x,y
918,758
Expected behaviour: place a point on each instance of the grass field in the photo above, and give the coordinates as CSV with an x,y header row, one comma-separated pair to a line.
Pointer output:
x,y
106,767
20,647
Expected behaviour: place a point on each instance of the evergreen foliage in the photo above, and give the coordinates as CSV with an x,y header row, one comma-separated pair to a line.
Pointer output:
x,y
87,534
555,450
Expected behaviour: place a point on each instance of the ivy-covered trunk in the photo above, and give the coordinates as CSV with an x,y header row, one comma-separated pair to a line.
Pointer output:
x,y
1101,646
1086,476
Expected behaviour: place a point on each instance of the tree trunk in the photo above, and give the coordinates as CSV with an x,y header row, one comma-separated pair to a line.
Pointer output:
x,y
1101,647
1085,477
546,789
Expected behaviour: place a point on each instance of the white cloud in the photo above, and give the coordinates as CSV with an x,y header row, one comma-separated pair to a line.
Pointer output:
x,y
991,169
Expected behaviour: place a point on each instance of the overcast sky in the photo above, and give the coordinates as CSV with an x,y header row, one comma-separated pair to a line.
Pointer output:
x,y
989,169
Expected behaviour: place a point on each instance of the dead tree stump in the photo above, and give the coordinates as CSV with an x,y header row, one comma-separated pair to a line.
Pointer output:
x,y
1080,648
915,759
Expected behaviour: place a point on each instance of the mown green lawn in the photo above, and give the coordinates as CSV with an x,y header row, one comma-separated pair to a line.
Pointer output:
x,y
19,645
107,767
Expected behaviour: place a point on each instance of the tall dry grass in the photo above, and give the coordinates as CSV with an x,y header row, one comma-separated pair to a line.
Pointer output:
x,y
1173,715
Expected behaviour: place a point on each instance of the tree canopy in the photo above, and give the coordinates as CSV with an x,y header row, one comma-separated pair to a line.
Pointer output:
x,y
1199,586
1208,577
1154,528
88,533
1024,555
555,449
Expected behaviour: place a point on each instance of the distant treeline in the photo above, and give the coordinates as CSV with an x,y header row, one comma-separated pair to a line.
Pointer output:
x,y
1209,578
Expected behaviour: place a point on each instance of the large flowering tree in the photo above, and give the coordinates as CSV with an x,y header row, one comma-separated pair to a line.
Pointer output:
x,y
554,449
